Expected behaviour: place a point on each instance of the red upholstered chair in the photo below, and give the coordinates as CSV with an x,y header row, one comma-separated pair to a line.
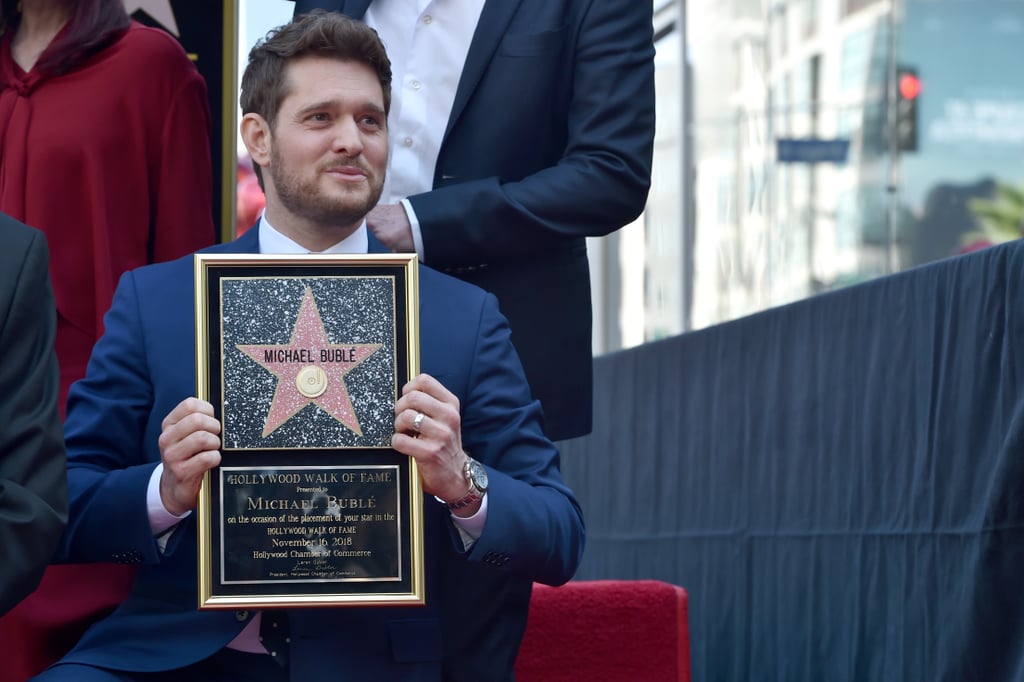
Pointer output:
x,y
607,630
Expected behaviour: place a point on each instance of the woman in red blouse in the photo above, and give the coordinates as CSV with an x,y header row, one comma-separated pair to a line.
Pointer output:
x,y
104,146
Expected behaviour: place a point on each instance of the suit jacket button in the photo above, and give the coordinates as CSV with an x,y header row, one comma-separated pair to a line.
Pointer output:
x,y
241,616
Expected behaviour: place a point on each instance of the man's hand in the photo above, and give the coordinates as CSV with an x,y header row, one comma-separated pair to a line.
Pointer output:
x,y
189,447
437,444
390,225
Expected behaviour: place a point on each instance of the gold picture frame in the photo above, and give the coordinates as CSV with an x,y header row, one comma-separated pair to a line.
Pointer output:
x,y
303,358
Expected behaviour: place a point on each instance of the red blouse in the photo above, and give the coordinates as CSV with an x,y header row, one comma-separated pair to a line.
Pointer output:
x,y
112,162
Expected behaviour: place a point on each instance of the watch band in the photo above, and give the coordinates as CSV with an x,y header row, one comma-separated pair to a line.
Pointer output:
x,y
476,492
469,498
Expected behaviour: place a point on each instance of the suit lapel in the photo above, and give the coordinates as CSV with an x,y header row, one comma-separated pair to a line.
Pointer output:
x,y
494,19
247,243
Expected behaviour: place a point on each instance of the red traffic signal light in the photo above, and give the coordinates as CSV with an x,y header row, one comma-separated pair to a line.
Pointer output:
x,y
908,90
909,84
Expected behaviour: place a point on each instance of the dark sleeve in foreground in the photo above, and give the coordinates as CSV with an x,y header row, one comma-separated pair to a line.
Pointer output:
x,y
33,484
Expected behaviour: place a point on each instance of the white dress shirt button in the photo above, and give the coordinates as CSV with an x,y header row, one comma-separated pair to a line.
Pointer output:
x,y
416,85
407,142
428,19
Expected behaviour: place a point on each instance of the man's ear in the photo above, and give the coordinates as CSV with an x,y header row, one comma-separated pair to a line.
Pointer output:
x,y
256,137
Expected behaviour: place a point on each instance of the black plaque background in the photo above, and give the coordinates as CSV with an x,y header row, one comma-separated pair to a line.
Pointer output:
x,y
326,454
314,585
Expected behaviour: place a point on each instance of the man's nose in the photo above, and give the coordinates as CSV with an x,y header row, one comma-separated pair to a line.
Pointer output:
x,y
347,138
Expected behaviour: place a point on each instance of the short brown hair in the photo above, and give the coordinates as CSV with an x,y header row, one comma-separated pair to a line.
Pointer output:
x,y
321,34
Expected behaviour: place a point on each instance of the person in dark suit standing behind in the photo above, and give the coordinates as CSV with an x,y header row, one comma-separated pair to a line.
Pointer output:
x,y
520,127
33,485
314,103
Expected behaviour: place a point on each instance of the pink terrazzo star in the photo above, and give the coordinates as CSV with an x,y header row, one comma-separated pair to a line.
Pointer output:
x,y
310,369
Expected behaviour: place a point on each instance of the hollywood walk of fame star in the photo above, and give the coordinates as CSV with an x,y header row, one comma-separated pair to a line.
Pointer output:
x,y
303,376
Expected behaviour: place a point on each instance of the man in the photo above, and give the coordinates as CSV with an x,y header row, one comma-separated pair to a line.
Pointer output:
x,y
33,487
520,128
315,102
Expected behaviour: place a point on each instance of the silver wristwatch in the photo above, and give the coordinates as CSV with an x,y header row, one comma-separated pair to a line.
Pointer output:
x,y
476,477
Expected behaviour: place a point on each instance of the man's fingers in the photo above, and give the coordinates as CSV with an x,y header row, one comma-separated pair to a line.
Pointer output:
x,y
193,468
426,394
185,408
192,456
190,433
432,387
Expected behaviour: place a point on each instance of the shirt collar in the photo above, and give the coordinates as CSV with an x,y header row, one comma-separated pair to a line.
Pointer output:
x,y
272,241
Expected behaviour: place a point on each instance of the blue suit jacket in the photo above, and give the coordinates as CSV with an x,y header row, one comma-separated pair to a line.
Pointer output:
x,y
549,142
145,364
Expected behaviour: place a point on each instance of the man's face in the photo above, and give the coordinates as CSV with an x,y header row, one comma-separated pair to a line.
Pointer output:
x,y
328,147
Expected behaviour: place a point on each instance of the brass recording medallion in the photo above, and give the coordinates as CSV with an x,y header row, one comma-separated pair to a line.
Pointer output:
x,y
311,381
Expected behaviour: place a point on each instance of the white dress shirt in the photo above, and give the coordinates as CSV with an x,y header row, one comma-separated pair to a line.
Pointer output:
x,y
427,41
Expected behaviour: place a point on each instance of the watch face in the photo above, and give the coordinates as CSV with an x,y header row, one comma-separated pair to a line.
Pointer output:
x,y
479,475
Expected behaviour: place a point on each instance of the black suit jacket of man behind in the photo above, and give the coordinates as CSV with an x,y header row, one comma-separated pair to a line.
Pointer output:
x,y
549,142
33,483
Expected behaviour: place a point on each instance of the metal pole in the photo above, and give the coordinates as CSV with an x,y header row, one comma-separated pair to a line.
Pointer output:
x,y
892,162
686,189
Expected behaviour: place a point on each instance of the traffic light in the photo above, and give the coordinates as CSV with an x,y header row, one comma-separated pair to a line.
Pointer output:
x,y
908,90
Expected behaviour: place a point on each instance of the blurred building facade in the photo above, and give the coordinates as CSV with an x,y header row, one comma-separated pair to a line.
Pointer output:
x,y
806,145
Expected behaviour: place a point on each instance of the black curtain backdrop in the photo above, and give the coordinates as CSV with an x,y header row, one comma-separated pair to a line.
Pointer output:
x,y
838,483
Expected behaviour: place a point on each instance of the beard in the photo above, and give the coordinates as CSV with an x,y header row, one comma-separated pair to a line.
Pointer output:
x,y
303,198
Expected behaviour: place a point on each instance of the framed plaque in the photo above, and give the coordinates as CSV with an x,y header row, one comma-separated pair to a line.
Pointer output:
x,y
303,358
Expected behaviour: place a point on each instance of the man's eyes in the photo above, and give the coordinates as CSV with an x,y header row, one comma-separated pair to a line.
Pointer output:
x,y
366,120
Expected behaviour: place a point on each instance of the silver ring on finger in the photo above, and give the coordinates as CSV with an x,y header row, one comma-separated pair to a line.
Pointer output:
x,y
417,421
